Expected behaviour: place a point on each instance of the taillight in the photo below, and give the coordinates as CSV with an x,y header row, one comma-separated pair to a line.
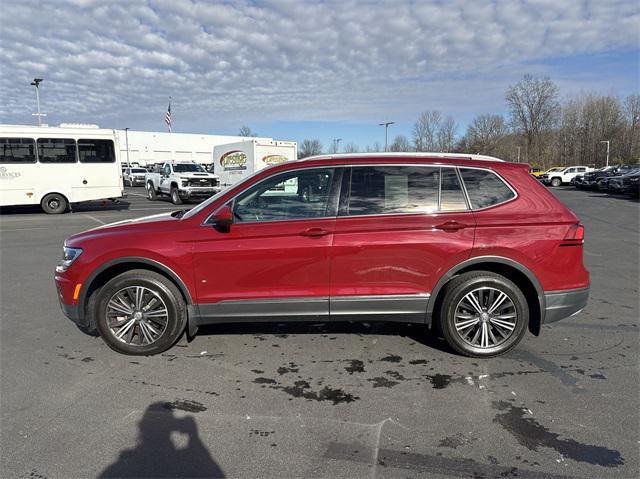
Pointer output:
x,y
575,236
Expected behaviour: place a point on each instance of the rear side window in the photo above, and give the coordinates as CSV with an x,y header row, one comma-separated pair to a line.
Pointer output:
x,y
96,151
56,150
418,189
485,188
17,150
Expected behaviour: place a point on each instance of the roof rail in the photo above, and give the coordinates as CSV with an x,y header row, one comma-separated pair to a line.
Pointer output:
x,y
424,154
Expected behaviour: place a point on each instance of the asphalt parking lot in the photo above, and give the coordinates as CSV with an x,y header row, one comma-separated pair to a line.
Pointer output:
x,y
322,400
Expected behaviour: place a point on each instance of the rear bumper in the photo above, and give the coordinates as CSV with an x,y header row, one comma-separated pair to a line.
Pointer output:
x,y
562,304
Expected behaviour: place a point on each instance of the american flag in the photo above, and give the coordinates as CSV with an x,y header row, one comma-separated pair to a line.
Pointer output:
x,y
167,117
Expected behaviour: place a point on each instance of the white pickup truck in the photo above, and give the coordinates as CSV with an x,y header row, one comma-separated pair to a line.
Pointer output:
x,y
182,181
563,175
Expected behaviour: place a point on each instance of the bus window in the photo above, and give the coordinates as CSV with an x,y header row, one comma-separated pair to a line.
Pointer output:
x,y
17,150
96,151
56,150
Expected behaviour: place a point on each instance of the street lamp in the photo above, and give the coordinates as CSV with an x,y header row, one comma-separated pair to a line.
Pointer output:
x,y
386,127
607,142
336,144
36,83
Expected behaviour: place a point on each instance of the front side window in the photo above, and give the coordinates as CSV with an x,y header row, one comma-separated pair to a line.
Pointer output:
x,y
56,150
187,168
96,151
485,188
404,189
17,150
289,196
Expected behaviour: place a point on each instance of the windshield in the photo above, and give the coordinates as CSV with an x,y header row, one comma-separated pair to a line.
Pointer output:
x,y
187,168
138,170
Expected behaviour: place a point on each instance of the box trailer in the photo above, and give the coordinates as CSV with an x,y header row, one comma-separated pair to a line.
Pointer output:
x,y
233,162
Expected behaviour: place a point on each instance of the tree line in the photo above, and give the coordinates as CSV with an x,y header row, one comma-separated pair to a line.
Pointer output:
x,y
539,129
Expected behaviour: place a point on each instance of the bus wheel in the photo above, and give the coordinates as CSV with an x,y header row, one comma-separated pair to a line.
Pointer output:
x,y
151,192
54,204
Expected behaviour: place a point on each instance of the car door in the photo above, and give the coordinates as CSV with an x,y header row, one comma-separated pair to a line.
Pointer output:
x,y
274,260
399,228
165,175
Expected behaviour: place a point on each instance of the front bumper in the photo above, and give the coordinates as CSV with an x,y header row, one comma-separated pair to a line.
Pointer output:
x,y
562,304
187,193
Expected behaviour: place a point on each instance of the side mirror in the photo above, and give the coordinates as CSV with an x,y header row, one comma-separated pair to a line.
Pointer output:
x,y
222,219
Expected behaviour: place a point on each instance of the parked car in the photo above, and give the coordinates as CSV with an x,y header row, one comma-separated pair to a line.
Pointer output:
x,y
618,184
564,175
473,246
182,181
632,188
550,170
535,171
588,179
133,176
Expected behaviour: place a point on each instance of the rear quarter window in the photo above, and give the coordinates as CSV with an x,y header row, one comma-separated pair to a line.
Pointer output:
x,y
485,188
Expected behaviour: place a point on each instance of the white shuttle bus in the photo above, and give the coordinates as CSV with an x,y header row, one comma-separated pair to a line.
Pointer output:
x,y
57,166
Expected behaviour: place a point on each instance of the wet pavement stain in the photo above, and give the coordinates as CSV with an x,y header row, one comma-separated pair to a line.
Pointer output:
x,y
355,366
419,361
185,405
392,358
440,381
302,389
264,381
292,368
455,441
395,375
381,382
533,435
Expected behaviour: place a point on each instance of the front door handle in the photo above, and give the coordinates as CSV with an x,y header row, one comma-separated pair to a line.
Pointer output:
x,y
314,232
451,226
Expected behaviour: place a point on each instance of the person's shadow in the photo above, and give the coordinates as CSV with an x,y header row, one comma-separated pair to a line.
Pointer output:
x,y
157,456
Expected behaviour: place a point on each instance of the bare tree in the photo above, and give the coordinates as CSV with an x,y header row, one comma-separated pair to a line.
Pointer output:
x,y
446,135
534,107
351,147
246,131
484,134
400,143
309,148
632,136
425,130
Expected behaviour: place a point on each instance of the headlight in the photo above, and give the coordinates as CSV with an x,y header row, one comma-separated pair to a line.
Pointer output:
x,y
69,255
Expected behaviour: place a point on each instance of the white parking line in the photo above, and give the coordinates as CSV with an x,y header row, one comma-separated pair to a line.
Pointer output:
x,y
94,219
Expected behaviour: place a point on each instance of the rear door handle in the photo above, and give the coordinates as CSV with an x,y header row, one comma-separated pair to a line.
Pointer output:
x,y
451,226
314,232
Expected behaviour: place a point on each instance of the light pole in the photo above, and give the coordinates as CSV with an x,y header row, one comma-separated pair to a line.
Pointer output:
x,y
36,83
336,144
126,140
607,142
386,127
518,153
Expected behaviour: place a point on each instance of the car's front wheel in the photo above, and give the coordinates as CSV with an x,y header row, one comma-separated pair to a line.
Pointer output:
x,y
556,182
175,196
151,192
140,312
483,314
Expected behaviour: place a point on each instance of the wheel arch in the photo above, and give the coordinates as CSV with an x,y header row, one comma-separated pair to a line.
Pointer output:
x,y
522,276
66,196
109,270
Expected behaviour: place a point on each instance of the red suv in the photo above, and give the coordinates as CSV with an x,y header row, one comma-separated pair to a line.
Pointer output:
x,y
471,246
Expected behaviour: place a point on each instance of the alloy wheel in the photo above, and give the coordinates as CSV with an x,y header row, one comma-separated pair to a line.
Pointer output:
x,y
485,317
137,315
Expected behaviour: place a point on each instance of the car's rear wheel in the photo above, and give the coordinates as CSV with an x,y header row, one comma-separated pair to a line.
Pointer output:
x,y
151,192
556,182
175,196
483,314
54,204
140,312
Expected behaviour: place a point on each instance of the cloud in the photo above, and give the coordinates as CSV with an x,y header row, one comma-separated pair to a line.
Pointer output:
x,y
118,62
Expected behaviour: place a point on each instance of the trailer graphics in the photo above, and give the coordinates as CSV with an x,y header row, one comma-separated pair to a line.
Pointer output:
x,y
234,160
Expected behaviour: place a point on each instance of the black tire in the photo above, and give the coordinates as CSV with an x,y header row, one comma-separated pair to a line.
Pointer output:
x,y
156,284
175,196
556,182
471,282
54,204
151,192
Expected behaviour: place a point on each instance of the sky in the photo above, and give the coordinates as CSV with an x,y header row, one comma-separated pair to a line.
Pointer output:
x,y
303,69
